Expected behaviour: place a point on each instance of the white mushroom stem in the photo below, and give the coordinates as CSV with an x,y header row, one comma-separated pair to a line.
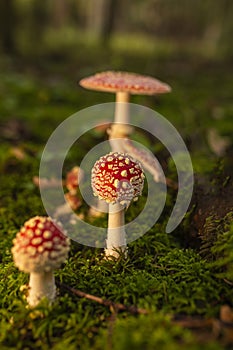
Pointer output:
x,y
119,128
122,108
116,231
41,285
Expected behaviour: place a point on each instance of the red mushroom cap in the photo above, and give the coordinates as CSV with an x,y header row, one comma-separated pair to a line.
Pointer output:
x,y
117,178
126,82
40,245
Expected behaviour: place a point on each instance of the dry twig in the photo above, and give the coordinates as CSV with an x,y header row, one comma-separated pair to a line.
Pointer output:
x,y
115,306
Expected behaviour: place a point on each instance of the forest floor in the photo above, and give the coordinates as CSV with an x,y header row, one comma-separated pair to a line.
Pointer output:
x,y
183,279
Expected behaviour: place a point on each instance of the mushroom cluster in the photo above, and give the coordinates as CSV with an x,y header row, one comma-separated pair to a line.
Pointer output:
x,y
118,179
39,248
124,84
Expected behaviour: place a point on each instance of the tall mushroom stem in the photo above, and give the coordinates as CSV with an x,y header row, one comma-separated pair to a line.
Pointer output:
x,y
41,284
116,231
122,108
119,129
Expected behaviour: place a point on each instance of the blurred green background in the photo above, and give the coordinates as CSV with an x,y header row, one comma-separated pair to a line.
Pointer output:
x,y
47,46
41,26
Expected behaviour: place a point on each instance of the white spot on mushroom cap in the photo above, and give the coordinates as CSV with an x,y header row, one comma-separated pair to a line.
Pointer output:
x,y
125,185
124,173
47,234
36,241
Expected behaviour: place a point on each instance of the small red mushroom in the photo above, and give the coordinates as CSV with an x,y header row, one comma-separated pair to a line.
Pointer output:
x,y
118,179
39,248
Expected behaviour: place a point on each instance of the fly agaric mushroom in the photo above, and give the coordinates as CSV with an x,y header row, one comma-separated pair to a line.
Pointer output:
x,y
123,84
39,248
118,179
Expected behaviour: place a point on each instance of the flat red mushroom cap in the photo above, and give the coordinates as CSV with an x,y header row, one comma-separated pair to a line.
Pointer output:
x,y
111,81
117,178
40,246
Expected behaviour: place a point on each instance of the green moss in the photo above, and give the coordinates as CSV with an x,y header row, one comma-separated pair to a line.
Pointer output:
x,y
148,332
222,250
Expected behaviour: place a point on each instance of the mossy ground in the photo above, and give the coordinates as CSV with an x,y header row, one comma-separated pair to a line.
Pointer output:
x,y
183,275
